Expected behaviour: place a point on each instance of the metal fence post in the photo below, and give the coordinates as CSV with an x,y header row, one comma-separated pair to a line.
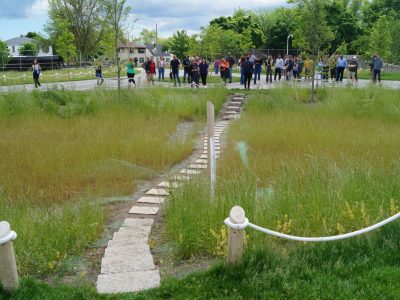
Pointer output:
x,y
8,266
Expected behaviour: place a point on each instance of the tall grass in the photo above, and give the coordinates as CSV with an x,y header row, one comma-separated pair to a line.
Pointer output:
x,y
313,170
60,149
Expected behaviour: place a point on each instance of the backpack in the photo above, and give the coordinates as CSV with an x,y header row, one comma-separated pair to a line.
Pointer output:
x,y
248,68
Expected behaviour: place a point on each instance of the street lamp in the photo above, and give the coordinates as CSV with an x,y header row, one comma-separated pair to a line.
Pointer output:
x,y
287,43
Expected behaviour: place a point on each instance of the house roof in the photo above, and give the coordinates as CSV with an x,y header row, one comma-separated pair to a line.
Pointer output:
x,y
158,51
19,41
131,45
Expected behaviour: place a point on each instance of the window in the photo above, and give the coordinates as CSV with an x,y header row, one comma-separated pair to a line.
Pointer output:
x,y
142,50
131,50
167,60
141,60
13,49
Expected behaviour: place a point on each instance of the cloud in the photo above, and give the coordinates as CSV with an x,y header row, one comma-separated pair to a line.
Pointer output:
x,y
172,15
20,9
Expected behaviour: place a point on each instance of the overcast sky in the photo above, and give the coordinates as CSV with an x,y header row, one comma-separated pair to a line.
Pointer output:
x,y
20,16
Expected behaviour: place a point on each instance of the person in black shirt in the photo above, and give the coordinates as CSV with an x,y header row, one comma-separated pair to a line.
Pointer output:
x,y
175,63
204,71
186,64
257,69
194,72
268,65
248,73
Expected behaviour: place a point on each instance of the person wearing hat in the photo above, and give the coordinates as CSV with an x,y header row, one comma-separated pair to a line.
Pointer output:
x,y
353,67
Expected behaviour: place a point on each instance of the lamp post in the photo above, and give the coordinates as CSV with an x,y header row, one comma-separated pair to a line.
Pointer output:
x,y
287,43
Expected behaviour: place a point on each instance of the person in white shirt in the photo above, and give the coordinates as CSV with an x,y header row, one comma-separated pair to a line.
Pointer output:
x,y
36,73
161,68
278,67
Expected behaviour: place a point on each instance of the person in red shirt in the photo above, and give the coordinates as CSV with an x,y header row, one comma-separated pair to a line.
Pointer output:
x,y
152,70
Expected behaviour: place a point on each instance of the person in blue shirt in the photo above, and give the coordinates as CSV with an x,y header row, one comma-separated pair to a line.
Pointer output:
x,y
340,67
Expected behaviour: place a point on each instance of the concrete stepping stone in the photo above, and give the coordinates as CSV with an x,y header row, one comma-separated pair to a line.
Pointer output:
x,y
182,177
121,259
133,222
151,200
144,210
197,166
201,161
204,156
128,282
190,172
168,184
131,232
230,117
235,104
158,192
231,113
233,108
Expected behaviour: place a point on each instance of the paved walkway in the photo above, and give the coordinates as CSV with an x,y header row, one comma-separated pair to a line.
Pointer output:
x,y
127,265
112,83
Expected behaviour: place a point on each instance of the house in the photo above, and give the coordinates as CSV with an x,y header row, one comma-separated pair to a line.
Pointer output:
x,y
132,50
141,52
16,43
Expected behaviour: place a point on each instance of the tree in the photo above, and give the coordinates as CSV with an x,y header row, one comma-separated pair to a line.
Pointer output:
x,y
86,19
28,49
4,54
147,36
64,42
179,44
117,14
380,39
313,33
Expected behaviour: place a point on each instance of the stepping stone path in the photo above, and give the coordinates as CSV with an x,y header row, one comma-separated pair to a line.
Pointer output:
x,y
128,265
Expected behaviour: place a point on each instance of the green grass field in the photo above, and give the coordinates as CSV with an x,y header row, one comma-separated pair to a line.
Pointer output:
x,y
60,151
298,168
50,76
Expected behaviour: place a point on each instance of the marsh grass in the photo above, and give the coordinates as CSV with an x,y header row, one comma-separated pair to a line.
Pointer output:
x,y
321,169
60,150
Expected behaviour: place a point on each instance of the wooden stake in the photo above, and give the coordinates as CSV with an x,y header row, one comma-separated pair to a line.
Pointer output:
x,y
211,159
235,237
8,267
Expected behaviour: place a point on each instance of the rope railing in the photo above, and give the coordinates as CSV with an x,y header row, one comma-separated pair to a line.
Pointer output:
x,y
237,222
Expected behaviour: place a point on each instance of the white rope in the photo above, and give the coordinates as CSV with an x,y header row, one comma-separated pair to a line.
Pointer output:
x,y
311,239
9,237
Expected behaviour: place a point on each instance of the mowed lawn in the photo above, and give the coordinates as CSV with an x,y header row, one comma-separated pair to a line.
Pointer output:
x,y
61,152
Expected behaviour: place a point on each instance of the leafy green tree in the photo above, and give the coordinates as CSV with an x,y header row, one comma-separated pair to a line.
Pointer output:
x,y
313,31
4,54
179,44
64,42
147,36
395,49
86,19
380,39
117,14
28,49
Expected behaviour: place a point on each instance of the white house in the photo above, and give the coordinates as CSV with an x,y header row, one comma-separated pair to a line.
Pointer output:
x,y
16,43
141,52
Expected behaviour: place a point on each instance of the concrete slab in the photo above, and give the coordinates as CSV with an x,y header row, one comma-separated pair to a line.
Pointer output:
x,y
204,156
197,166
168,184
144,210
201,161
158,192
181,177
137,234
236,103
127,282
190,172
152,200
133,222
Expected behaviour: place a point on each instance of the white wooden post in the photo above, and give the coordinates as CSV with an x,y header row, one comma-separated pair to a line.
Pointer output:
x,y
211,159
8,267
235,236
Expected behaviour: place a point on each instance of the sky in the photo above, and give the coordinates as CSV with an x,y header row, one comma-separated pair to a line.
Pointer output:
x,y
20,16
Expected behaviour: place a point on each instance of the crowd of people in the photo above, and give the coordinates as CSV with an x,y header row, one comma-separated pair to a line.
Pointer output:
x,y
288,67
